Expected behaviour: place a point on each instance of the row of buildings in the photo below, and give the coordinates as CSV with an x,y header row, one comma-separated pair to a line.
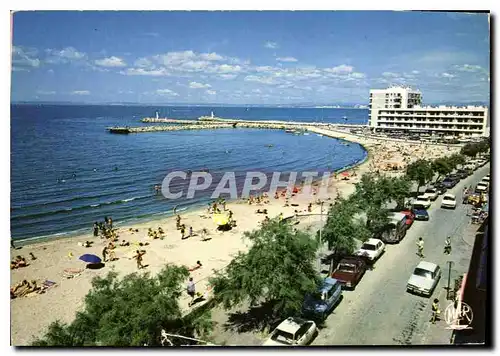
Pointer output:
x,y
400,109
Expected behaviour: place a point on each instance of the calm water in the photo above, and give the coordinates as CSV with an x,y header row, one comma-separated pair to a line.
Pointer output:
x,y
67,171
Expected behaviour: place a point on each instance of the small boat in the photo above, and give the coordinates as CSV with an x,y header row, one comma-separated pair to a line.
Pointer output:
x,y
269,145
289,131
306,133
319,135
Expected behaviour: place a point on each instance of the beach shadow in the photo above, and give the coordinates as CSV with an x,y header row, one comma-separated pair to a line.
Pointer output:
x,y
95,265
208,239
198,300
256,318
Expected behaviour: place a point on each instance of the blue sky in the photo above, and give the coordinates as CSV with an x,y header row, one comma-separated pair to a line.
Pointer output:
x,y
247,57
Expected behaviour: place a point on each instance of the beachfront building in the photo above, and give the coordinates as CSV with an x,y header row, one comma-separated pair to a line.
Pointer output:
x,y
400,109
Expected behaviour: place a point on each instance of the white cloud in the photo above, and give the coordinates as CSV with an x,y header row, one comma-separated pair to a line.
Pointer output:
x,y
468,68
341,69
111,62
141,71
196,85
166,92
271,45
227,76
24,57
80,92
257,79
20,69
286,59
358,75
264,69
447,75
211,56
211,92
143,63
390,75
64,55
415,71
227,68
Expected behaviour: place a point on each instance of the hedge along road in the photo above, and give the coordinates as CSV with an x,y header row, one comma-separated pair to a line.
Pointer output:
x,y
380,311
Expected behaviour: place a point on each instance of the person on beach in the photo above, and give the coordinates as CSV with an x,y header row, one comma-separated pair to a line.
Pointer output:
x,y
138,258
191,290
178,222
105,253
190,231
110,222
309,207
12,244
204,233
32,256
183,231
96,229
160,231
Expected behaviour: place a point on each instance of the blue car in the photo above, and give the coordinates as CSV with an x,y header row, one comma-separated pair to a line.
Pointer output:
x,y
420,213
319,304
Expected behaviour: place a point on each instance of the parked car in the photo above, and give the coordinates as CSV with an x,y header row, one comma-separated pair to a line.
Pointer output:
x,y
319,304
292,332
349,271
481,187
410,218
486,178
440,188
394,231
463,173
420,212
423,200
424,279
371,250
431,193
449,201
449,182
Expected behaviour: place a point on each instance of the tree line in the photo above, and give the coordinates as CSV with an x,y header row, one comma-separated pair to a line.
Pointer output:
x,y
271,279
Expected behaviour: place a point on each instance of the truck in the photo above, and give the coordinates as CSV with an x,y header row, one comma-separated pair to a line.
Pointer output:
x,y
349,271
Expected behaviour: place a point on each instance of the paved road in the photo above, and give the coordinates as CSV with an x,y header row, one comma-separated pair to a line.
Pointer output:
x,y
380,311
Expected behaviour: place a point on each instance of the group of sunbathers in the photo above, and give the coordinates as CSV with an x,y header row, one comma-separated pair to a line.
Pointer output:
x,y
160,234
20,261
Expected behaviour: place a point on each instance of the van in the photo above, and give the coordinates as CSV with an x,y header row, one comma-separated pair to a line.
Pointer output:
x,y
395,230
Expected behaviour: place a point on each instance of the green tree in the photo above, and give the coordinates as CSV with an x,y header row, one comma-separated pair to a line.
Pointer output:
x,y
278,270
442,166
130,312
455,160
399,190
470,150
342,228
420,172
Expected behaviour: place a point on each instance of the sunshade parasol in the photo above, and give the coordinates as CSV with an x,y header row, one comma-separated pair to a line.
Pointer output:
x,y
90,258
221,219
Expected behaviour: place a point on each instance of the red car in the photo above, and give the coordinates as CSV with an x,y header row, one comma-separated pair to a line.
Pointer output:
x,y
349,271
410,217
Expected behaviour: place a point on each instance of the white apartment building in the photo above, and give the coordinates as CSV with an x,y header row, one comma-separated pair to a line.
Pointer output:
x,y
400,109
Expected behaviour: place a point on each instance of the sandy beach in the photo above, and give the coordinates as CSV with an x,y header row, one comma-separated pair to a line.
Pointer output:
x,y
31,315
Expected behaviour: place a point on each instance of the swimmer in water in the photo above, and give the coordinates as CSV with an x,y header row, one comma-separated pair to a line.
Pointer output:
x,y
95,169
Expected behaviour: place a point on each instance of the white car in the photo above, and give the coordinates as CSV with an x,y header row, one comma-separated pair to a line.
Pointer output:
x,y
486,178
424,279
371,249
449,201
423,200
432,193
292,332
481,187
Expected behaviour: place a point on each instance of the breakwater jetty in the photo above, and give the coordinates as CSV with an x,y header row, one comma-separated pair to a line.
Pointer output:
x,y
210,123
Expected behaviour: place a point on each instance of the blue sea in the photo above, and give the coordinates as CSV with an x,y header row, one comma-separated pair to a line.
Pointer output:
x,y
67,171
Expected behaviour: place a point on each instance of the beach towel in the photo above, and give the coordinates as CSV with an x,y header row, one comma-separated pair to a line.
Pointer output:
x,y
72,272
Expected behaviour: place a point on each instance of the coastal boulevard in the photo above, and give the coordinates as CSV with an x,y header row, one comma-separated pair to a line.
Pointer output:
x,y
380,311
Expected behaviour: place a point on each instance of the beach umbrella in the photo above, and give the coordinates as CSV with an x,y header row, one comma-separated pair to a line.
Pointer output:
x,y
221,219
344,174
90,258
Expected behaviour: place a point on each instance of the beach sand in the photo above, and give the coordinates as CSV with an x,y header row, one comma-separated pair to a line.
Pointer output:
x,y
31,315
